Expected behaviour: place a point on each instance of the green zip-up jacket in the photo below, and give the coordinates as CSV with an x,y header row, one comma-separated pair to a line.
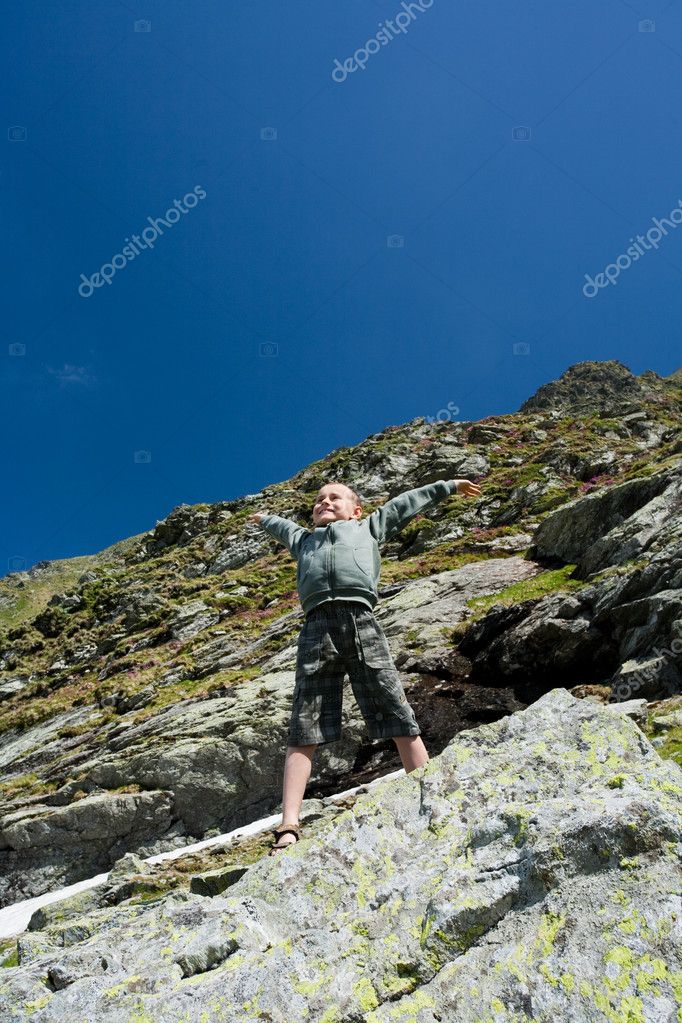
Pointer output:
x,y
341,561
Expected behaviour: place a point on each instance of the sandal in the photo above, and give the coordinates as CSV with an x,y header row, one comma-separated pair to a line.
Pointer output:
x,y
294,829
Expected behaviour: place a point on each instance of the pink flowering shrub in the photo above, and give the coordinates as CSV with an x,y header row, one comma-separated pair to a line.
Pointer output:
x,y
596,481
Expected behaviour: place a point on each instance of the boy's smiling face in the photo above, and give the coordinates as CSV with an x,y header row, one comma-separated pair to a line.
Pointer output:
x,y
335,501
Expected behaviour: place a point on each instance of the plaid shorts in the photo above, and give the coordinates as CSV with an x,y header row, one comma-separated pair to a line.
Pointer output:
x,y
338,637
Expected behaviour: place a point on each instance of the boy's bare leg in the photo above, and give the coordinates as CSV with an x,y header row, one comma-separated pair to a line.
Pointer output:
x,y
297,766
412,751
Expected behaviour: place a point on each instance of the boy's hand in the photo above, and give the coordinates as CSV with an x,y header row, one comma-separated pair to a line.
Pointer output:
x,y
468,489
256,517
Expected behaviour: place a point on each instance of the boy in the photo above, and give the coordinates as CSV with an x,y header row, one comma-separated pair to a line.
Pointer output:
x,y
337,577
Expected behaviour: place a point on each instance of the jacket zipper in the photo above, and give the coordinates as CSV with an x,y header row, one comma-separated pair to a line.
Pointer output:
x,y
330,563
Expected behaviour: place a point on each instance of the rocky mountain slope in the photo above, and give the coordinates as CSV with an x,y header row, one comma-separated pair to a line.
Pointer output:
x,y
145,691
531,871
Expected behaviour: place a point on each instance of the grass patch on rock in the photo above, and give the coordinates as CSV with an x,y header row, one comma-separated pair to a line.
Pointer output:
x,y
553,581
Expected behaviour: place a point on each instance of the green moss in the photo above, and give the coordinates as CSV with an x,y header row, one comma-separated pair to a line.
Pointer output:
x,y
10,951
544,969
365,889
26,785
550,924
365,994
113,992
630,1010
623,956
145,892
426,927
400,976
518,815
309,987
527,589
140,1015
412,641
656,970
38,1003
411,531
601,754
469,936
628,862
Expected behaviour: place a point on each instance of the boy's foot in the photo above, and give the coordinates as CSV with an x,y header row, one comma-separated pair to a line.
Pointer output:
x,y
285,835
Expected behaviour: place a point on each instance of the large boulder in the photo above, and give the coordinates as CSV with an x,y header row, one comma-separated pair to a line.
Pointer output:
x,y
620,523
529,872
624,631
42,847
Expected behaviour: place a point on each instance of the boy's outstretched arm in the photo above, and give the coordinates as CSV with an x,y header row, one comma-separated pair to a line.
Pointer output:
x,y
287,532
388,520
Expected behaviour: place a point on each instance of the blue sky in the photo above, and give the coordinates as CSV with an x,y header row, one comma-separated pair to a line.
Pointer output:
x,y
403,238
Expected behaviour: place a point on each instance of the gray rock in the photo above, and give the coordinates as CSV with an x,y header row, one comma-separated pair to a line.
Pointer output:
x,y
70,908
136,700
635,709
84,654
11,686
238,550
665,721
195,570
17,746
69,843
621,631
214,882
532,868
182,525
69,601
645,677
140,608
611,526
198,749
191,618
